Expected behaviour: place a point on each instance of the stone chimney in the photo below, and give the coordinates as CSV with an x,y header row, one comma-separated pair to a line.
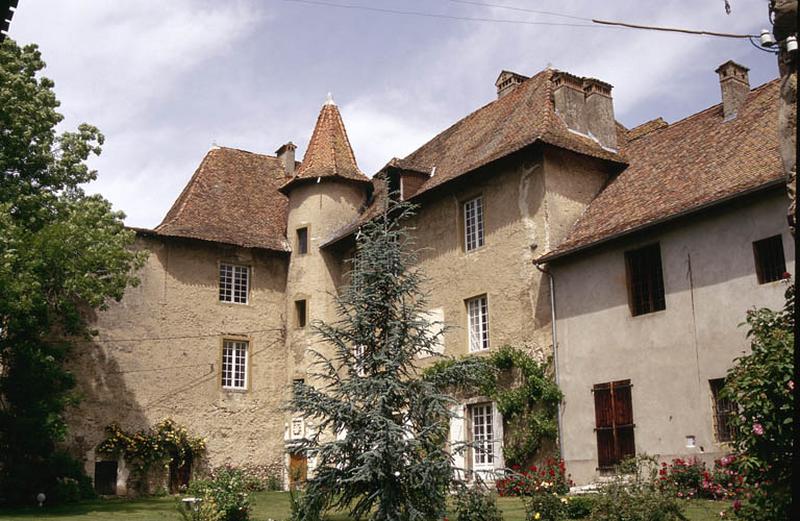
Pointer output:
x,y
286,155
599,111
507,81
569,100
735,86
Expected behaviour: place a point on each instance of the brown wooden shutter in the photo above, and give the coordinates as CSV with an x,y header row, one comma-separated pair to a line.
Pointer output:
x,y
613,423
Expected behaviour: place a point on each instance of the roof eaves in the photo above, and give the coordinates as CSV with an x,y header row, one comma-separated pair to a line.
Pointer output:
x,y
559,255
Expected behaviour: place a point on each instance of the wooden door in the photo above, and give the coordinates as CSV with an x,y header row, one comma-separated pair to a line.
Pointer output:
x,y
613,423
298,470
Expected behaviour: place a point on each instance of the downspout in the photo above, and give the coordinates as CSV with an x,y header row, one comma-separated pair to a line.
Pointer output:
x,y
551,278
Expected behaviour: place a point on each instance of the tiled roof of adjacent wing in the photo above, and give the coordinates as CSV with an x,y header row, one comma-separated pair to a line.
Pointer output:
x,y
232,198
329,153
522,117
687,165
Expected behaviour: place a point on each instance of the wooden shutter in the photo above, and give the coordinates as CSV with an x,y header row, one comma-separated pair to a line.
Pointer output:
x,y
604,425
613,423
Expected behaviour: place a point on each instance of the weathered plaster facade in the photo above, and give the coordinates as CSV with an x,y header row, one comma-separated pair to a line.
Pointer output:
x,y
158,355
669,356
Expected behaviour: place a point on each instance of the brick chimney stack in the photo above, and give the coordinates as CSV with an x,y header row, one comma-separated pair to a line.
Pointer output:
x,y
600,111
286,154
735,86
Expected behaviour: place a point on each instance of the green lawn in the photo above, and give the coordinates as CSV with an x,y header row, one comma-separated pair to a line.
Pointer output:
x,y
266,505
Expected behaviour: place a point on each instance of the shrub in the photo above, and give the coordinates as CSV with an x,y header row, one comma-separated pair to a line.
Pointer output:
x,y
690,479
762,384
635,495
550,477
257,478
476,504
207,510
546,506
579,507
227,490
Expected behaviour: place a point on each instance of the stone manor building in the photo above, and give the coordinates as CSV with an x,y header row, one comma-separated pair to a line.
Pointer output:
x,y
542,220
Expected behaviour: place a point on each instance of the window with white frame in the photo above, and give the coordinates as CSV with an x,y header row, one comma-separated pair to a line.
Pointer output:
x,y
478,317
483,435
473,224
234,364
234,283
358,354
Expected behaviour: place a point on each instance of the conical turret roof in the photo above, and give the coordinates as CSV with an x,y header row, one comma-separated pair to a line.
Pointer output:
x,y
329,154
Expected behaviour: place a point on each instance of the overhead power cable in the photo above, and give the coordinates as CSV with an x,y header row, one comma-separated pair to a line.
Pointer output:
x,y
521,9
436,15
596,23
673,29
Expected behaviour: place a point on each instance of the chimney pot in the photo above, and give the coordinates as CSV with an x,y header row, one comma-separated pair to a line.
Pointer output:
x,y
508,81
735,86
286,155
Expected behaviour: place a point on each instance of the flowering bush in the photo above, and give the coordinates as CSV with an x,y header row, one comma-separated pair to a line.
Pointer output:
x,y
762,384
227,490
635,494
550,477
164,443
546,506
690,479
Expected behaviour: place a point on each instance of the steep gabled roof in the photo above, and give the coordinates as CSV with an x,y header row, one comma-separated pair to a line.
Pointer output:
x,y
329,154
232,198
683,167
522,117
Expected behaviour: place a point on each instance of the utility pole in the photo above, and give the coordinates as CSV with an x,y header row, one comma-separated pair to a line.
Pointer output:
x,y
783,14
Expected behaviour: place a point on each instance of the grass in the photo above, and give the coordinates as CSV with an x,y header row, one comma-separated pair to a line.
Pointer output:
x,y
266,505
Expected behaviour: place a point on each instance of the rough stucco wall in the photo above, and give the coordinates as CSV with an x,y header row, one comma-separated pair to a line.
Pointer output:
x,y
323,208
140,382
670,355
528,202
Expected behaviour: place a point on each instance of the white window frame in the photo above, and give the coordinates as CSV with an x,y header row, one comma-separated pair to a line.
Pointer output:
x,y
473,224
483,435
359,352
478,323
234,283
235,361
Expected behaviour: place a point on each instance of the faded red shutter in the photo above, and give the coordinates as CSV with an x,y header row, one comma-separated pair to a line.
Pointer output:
x,y
613,423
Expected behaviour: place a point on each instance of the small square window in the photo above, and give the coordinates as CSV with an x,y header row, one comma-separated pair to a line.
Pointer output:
x,y
478,322
300,311
234,364
473,224
645,280
234,283
302,241
770,262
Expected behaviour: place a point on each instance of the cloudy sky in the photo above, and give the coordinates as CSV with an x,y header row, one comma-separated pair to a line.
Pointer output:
x,y
164,80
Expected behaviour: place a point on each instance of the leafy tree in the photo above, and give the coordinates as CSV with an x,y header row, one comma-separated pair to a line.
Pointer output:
x,y
380,429
762,384
62,252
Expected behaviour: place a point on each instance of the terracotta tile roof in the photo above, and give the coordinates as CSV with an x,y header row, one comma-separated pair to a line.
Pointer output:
x,y
682,167
329,153
232,198
520,118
